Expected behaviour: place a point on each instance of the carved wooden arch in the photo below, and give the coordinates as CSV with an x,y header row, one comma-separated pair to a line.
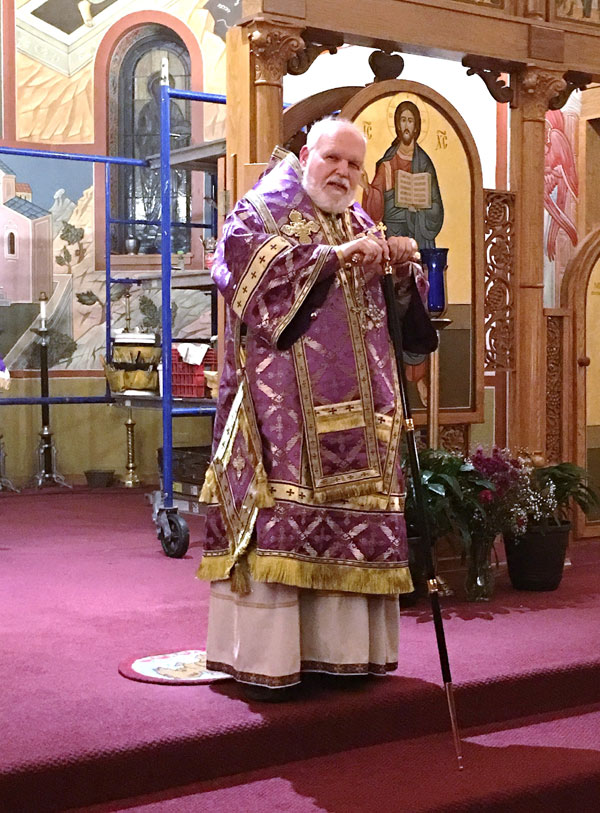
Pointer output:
x,y
313,108
573,299
391,87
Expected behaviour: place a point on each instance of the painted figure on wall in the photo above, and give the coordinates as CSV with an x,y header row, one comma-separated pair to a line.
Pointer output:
x,y
561,183
404,192
85,9
147,188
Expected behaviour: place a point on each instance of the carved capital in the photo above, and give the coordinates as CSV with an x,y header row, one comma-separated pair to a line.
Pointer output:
x,y
536,89
273,46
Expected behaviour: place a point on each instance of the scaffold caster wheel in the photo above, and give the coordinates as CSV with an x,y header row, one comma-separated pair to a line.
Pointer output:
x,y
174,534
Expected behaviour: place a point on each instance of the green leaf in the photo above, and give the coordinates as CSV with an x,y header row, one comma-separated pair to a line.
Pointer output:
x,y
87,298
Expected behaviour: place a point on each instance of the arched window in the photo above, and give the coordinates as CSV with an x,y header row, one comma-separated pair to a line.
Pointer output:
x,y
11,244
135,132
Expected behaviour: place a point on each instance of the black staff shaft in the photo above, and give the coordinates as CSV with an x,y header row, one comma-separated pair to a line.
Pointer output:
x,y
395,330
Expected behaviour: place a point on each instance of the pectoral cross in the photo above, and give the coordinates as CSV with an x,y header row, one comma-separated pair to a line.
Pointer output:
x,y
300,227
377,231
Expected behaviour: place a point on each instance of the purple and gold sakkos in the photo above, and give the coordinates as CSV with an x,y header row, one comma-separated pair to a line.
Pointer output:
x,y
305,488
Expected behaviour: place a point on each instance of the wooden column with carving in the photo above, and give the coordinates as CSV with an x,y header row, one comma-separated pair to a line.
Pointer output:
x,y
535,88
272,46
257,56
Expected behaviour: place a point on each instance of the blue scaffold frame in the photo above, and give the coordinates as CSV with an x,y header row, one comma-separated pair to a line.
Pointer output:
x,y
169,409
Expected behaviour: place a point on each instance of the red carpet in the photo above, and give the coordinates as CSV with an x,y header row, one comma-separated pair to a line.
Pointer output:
x,y
85,584
549,765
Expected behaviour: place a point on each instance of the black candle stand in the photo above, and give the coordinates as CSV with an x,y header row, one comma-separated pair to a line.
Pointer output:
x,y
46,473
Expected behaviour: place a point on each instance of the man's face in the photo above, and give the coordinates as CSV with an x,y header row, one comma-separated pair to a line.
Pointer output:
x,y
407,127
332,169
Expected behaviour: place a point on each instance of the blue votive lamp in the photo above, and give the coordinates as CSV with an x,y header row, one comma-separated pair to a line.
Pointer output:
x,y
435,262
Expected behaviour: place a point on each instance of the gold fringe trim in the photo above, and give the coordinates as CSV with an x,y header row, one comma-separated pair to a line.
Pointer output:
x,y
346,491
215,568
208,493
327,576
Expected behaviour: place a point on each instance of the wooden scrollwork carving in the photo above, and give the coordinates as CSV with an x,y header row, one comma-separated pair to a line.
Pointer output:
x,y
554,387
499,299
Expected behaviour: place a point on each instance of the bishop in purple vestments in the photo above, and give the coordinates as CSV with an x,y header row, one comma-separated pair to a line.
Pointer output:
x,y
305,537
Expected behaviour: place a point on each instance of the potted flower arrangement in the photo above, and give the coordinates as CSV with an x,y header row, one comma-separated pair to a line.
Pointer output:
x,y
535,550
504,509
475,499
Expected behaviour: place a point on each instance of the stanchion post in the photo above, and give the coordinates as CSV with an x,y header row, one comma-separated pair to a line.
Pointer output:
x,y
46,474
131,480
5,483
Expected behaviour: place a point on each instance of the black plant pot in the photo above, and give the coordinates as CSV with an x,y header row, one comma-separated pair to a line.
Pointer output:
x,y
536,559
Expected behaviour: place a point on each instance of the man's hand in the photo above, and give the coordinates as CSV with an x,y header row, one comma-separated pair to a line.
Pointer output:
x,y
403,250
366,251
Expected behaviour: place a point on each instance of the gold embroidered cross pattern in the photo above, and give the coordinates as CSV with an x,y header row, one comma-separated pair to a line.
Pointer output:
x,y
300,227
239,464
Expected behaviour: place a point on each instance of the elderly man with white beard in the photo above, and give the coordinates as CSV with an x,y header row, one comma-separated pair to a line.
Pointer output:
x,y
305,536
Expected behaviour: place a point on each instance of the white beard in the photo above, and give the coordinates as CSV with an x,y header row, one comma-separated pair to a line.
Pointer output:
x,y
332,204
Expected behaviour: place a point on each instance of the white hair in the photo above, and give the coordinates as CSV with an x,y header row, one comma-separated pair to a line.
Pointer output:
x,y
328,126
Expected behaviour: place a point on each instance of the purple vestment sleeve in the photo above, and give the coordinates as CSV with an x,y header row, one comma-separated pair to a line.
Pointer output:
x,y
265,278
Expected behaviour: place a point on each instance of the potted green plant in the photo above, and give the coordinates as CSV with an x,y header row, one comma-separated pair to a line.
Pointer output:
x,y
438,476
451,489
535,552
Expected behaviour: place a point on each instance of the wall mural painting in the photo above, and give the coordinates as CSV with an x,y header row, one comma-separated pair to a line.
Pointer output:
x,y
495,4
47,206
47,234
69,15
561,191
581,11
46,215
56,45
417,182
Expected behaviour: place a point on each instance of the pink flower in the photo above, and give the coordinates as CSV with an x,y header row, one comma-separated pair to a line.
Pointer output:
x,y
485,496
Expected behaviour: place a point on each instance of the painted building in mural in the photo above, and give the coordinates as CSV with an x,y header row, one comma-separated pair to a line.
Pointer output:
x,y
26,231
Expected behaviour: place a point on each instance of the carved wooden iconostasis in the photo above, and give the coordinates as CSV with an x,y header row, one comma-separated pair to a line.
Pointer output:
x,y
510,258
512,353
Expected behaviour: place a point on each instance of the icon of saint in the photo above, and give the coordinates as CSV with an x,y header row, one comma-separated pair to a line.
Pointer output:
x,y
405,192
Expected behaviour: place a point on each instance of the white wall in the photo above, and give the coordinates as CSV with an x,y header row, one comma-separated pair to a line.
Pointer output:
x,y
468,94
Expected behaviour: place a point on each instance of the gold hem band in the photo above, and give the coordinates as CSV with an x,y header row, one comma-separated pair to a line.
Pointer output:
x,y
348,578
